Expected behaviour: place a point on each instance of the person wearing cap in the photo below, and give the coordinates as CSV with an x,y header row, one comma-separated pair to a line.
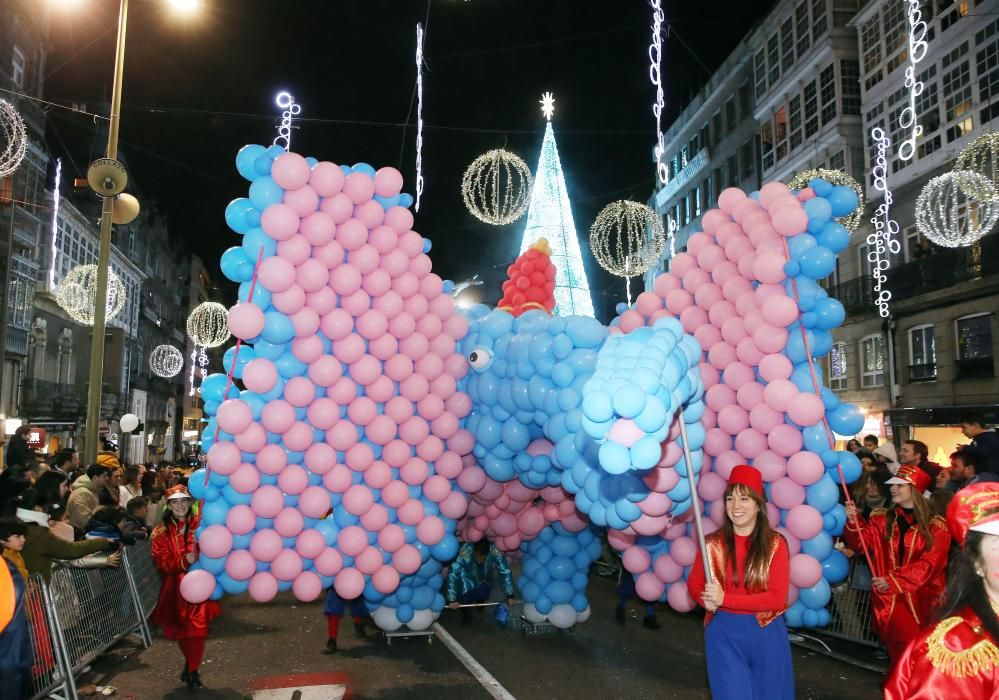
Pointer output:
x,y
174,550
908,548
958,657
747,650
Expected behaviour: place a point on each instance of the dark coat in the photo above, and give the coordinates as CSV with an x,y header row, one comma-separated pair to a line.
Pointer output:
x,y
985,448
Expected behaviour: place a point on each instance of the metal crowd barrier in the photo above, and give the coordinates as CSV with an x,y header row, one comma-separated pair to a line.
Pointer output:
x,y
81,613
850,607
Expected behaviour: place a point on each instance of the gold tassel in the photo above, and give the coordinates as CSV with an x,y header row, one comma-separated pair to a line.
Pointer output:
x,y
982,656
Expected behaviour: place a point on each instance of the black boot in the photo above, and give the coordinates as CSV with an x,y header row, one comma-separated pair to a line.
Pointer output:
x,y
194,681
619,614
359,631
184,674
330,647
650,622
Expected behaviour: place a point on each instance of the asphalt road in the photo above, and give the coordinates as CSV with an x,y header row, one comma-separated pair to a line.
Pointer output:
x,y
254,645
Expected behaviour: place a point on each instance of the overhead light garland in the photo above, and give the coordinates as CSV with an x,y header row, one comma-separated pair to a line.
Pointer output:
x,y
627,238
496,187
946,215
208,324
918,46
980,156
77,294
15,139
419,114
836,177
882,242
286,101
655,74
166,361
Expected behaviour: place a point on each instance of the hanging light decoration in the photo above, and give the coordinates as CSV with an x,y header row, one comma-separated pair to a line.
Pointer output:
x,y
78,293
15,140
166,361
946,215
835,177
496,187
208,324
980,156
627,238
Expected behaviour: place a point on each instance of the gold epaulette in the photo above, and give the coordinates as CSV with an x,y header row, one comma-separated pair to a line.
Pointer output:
x,y
158,530
980,657
878,511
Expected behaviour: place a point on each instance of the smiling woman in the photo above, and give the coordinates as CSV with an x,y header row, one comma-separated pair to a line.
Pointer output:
x,y
745,633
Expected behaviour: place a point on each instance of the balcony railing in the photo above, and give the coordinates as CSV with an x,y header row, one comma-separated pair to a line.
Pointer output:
x,y
975,368
945,268
17,341
923,373
856,296
40,398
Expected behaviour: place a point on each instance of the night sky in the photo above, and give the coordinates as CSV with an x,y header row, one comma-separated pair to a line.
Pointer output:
x,y
198,89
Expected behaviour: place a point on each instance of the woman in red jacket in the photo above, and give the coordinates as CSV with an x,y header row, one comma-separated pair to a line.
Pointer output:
x,y
908,547
745,637
174,550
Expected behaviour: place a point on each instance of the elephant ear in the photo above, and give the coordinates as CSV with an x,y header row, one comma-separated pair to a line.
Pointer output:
x,y
531,281
641,380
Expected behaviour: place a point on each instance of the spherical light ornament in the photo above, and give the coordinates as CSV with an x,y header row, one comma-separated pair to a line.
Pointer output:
x,y
627,238
980,156
14,140
496,187
125,209
166,361
836,177
207,325
946,215
78,292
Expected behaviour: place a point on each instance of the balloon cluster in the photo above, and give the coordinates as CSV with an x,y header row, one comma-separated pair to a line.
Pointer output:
x,y
349,402
531,281
555,575
747,289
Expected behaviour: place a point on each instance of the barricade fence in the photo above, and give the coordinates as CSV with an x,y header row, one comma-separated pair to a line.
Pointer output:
x,y
850,607
84,611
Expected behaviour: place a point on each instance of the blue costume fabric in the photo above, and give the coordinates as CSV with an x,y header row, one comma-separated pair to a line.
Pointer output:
x,y
626,591
335,605
16,656
746,661
468,581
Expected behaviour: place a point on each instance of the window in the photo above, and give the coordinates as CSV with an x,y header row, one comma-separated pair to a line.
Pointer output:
x,y
730,121
767,144
719,179
709,192
872,361
838,372
760,73
956,82
949,19
866,264
746,101
746,160
17,67
787,44
801,27
827,80
819,19
780,133
811,110
733,170
697,201
794,116
843,11
922,354
716,128
987,61
849,78
773,58
974,346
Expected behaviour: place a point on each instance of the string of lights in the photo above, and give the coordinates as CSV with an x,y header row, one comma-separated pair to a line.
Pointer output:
x,y
55,219
981,156
166,361
946,215
419,114
15,140
918,46
495,187
882,241
286,101
655,74
77,294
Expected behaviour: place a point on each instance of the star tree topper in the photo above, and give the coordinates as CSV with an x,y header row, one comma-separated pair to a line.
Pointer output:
x,y
547,105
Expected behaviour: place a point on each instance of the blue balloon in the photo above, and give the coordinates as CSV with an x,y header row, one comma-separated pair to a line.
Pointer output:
x,y
235,265
235,214
256,240
834,236
846,419
278,328
818,208
820,546
817,596
405,200
829,313
835,567
213,387
821,187
245,158
265,192
842,200
817,262
822,495
850,465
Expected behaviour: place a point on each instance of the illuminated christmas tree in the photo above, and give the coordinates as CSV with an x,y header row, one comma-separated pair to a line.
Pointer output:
x,y
550,217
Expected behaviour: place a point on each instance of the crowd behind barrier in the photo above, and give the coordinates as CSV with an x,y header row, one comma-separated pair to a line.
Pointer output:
x,y
82,613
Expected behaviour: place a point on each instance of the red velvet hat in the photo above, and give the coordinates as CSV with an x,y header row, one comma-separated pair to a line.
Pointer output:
x,y
748,476
974,507
912,475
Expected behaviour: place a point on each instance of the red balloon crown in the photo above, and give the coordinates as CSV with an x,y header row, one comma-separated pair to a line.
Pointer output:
x,y
531,281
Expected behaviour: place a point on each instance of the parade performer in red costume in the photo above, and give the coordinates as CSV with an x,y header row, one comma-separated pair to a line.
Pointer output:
x,y
745,637
908,548
174,551
958,658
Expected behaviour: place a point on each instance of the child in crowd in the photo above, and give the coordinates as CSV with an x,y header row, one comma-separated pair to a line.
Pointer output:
x,y
134,524
58,524
107,522
16,657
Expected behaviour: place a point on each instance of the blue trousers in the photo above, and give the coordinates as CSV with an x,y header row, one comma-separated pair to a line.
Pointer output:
x,y
335,605
746,661
479,594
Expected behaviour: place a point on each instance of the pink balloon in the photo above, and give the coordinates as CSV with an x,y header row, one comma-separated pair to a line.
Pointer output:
x,y
683,550
241,520
326,179
391,538
678,597
790,220
260,375
310,544
245,321
805,570
278,416
804,522
349,583
295,250
778,394
252,439
358,499
224,457
289,522
370,214
234,416
280,222
290,301
267,501
286,565
197,586
304,200
763,419
406,559
769,267
733,419
648,587
636,559
793,544
785,440
774,367
771,465
666,569
312,275
299,437
263,587
325,371
271,459
805,468
399,218
314,502
749,443
318,228
729,198
368,561
430,530
240,565
359,187
786,494
329,562
307,586
215,541
806,409
352,540
780,311
290,171
265,545
385,580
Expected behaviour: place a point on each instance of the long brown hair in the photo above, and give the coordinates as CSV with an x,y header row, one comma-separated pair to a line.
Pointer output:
x,y
921,514
757,565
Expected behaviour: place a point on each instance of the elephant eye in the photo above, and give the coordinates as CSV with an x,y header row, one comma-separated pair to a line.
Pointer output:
x,y
480,358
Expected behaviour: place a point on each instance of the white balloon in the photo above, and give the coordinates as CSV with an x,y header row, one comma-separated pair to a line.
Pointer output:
x,y
563,616
128,422
386,619
422,619
532,615
585,615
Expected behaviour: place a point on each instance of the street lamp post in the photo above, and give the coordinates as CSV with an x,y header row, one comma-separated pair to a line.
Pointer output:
x,y
94,389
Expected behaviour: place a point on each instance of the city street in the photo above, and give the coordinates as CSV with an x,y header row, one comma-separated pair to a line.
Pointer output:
x,y
278,645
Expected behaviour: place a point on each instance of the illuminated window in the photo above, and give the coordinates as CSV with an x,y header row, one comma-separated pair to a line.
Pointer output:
x,y
872,361
838,372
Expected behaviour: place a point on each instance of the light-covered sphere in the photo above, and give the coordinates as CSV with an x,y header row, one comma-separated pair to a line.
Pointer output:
x,y
208,324
836,177
78,292
627,238
946,215
166,361
980,156
496,187
14,141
